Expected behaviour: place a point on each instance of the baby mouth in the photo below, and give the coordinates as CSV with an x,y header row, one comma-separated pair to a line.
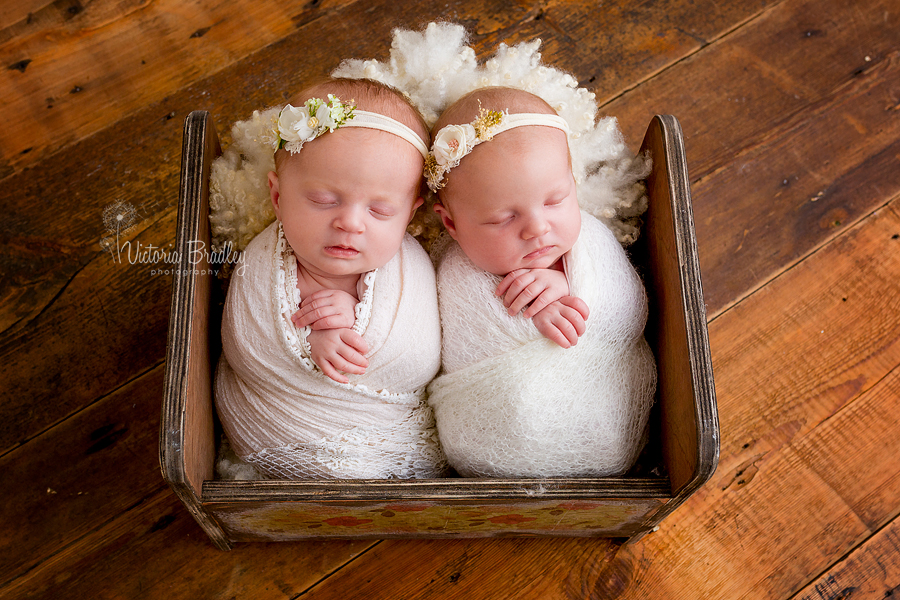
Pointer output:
x,y
341,251
539,253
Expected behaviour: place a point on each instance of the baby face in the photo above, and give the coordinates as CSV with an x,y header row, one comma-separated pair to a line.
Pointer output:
x,y
345,200
511,204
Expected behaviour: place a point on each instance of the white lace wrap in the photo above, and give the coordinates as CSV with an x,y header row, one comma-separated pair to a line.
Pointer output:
x,y
511,403
283,415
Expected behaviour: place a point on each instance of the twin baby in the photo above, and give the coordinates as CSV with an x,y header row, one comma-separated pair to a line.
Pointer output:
x,y
334,334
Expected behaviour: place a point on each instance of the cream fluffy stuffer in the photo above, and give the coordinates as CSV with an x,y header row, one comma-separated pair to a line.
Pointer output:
x,y
435,67
511,403
285,417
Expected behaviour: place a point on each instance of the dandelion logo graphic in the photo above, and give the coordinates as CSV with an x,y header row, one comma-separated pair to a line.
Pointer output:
x,y
118,218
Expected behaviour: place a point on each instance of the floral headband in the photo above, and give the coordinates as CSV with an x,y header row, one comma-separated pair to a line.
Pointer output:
x,y
298,125
453,142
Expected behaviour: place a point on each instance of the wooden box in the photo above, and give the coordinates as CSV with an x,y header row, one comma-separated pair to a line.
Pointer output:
x,y
681,456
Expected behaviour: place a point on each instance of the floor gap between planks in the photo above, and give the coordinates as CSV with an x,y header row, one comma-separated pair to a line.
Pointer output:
x,y
75,542
849,227
98,400
703,46
791,121
339,568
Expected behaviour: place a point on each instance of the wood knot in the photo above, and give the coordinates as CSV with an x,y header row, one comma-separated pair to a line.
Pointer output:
x,y
614,579
20,66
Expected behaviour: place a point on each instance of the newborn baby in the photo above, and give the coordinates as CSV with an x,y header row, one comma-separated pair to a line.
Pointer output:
x,y
330,331
545,368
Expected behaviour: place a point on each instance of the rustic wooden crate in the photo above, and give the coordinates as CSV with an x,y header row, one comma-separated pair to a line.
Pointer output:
x,y
681,456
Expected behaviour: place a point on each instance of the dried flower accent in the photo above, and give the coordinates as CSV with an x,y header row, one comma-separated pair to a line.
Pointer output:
x,y
298,125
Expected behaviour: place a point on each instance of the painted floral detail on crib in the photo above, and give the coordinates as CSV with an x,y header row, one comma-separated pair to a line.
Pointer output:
x,y
290,521
346,521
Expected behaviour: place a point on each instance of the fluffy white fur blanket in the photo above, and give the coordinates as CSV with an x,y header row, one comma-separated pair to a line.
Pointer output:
x,y
511,403
435,67
283,415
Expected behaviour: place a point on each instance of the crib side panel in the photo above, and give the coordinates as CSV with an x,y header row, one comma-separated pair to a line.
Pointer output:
x,y
676,329
187,448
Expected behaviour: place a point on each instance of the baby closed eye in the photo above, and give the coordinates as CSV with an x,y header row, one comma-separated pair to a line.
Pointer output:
x,y
323,201
383,212
501,220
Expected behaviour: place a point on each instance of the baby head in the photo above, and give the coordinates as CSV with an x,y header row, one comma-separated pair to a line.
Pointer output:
x,y
347,176
504,180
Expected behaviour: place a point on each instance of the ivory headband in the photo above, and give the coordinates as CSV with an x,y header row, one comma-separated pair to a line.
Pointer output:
x,y
453,142
298,125
370,120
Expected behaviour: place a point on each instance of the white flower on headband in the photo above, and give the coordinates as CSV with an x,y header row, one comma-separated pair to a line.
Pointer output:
x,y
298,125
453,142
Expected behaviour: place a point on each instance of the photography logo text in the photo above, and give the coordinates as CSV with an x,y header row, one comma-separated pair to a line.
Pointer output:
x,y
120,217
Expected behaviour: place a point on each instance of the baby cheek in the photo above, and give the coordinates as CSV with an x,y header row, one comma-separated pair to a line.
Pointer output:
x,y
572,227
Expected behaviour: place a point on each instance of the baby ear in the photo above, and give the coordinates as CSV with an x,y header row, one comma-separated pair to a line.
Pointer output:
x,y
446,218
412,212
273,192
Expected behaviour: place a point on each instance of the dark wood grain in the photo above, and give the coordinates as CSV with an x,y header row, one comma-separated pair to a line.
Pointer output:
x,y
820,176
72,68
767,522
871,572
803,335
50,255
764,77
783,153
157,550
80,474
549,569
864,435
786,363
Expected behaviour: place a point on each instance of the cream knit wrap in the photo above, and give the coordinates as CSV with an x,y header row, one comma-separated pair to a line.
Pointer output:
x,y
283,415
511,403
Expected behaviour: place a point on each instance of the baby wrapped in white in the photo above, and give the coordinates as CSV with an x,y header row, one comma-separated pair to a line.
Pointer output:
x,y
283,415
511,403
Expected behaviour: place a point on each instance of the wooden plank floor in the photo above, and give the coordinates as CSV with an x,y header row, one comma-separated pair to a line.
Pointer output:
x,y
791,111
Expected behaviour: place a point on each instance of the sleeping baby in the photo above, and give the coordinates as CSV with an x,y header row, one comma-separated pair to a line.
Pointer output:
x,y
546,372
331,333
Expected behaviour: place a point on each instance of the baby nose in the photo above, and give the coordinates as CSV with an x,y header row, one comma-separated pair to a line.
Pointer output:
x,y
535,227
350,220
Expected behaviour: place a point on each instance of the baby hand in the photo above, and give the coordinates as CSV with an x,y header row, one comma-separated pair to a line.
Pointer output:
x,y
535,288
339,351
326,309
563,321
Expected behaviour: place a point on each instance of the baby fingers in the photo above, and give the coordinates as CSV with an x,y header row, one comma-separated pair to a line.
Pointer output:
x,y
578,305
510,278
322,319
568,331
344,359
545,298
333,373
355,341
350,361
319,314
518,289
561,333
524,298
